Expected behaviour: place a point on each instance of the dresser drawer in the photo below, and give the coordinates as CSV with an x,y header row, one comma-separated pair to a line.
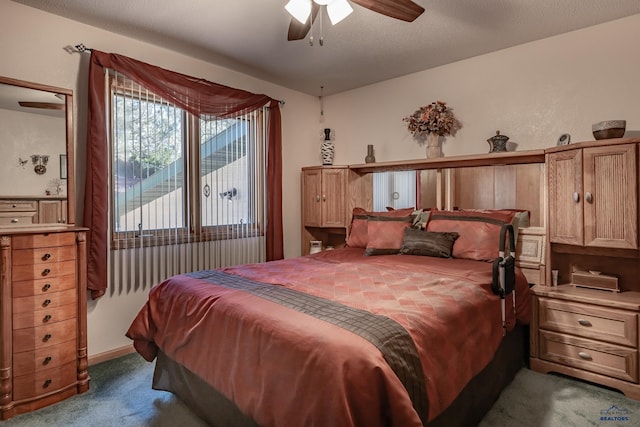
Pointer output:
x,y
29,362
30,319
44,301
42,255
48,285
46,381
18,218
606,324
27,339
27,241
18,205
602,358
43,270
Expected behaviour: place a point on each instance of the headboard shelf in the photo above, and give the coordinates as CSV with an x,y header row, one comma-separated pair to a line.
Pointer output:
x,y
506,158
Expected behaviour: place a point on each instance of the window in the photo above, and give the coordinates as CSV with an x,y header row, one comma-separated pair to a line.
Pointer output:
x,y
176,177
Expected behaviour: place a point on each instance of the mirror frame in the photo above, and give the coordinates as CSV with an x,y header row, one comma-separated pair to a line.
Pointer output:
x,y
68,110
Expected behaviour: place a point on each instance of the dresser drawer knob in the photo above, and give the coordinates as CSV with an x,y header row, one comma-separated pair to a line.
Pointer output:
x,y
46,271
585,356
46,256
46,360
46,318
47,383
46,338
46,287
46,302
584,322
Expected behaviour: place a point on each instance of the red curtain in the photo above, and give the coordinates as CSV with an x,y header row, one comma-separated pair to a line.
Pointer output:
x,y
194,95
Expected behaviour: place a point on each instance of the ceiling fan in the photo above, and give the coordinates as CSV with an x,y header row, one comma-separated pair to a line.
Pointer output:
x,y
301,10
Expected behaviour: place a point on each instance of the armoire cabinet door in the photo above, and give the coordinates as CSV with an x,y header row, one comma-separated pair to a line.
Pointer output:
x,y
312,198
333,197
324,197
611,196
565,197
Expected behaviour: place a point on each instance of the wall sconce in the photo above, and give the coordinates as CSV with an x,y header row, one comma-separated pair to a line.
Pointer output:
x,y
229,194
39,163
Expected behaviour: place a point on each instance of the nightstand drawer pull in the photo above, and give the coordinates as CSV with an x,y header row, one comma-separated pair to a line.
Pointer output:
x,y
46,360
46,318
46,302
46,338
46,256
584,322
46,287
47,383
46,271
584,355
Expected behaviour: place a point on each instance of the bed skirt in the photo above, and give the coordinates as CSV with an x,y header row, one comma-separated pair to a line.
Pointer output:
x,y
468,409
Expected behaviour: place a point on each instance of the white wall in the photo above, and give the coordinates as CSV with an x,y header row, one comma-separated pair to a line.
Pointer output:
x,y
532,93
32,46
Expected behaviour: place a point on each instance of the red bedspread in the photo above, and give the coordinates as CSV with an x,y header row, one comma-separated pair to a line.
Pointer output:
x,y
283,367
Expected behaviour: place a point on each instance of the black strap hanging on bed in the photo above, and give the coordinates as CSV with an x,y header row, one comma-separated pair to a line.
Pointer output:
x,y
504,270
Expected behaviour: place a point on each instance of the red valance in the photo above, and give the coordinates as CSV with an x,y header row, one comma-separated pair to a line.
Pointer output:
x,y
197,96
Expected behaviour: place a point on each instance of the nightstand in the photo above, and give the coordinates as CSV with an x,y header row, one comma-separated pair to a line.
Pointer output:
x,y
588,334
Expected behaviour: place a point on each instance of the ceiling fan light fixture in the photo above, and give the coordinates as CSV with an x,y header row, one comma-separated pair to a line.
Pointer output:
x,y
299,9
338,10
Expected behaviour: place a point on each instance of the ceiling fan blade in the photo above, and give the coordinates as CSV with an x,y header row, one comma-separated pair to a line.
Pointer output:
x,y
298,31
405,10
46,105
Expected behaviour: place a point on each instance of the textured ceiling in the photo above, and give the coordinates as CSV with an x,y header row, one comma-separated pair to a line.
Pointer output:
x,y
250,35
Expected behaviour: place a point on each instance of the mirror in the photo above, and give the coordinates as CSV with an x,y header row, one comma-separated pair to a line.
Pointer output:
x,y
36,154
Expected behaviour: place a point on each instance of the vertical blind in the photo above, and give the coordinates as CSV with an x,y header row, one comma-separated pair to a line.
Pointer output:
x,y
396,189
187,193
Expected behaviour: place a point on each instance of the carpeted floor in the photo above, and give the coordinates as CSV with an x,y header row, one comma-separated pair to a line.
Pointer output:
x,y
121,395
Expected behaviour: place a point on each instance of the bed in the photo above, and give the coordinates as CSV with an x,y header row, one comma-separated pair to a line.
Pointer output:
x,y
357,336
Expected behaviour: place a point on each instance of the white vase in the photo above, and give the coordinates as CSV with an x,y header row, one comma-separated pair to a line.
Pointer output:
x,y
327,150
434,148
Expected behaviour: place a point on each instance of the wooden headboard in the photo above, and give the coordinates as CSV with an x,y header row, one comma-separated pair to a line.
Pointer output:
x,y
521,186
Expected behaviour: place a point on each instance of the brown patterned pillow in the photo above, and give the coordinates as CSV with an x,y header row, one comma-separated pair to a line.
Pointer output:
x,y
428,243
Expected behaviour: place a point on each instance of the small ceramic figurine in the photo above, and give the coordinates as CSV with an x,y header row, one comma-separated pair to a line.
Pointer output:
x,y
498,143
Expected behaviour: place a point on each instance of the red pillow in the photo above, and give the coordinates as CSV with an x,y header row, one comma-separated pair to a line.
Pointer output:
x,y
479,232
386,234
358,234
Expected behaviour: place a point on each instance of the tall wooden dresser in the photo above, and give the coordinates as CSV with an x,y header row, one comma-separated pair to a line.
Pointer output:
x,y
43,339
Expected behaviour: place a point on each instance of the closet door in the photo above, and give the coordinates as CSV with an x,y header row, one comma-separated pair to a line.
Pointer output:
x,y
611,196
565,197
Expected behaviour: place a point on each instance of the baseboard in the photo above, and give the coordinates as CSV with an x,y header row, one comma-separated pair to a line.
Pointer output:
x,y
111,354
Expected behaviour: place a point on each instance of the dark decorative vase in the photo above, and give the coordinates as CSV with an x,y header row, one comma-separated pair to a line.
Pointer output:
x,y
498,143
370,157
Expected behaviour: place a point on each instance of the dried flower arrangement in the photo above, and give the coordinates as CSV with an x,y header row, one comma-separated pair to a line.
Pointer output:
x,y
433,118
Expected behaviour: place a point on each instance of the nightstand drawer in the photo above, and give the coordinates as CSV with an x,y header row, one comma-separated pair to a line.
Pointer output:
x,y
43,255
48,285
602,358
610,325
44,301
29,362
47,316
28,339
43,270
45,240
46,381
